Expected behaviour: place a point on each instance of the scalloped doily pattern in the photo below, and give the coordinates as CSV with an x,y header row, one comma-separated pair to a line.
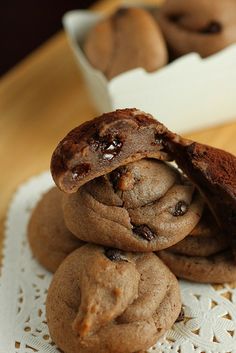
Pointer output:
x,y
210,311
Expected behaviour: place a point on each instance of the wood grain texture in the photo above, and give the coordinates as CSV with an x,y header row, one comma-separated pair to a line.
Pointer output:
x,y
44,97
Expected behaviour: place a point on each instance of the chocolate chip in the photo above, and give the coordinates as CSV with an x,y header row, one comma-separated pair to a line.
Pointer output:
x,y
80,171
158,139
212,28
94,142
115,177
114,254
175,17
180,209
181,315
109,145
144,232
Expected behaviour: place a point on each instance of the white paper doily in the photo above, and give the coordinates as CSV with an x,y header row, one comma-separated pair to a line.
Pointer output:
x,y
210,312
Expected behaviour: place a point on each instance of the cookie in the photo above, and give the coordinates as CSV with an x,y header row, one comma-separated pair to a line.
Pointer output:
x,y
128,39
213,171
205,239
105,143
201,26
203,256
217,268
106,301
115,139
144,206
49,239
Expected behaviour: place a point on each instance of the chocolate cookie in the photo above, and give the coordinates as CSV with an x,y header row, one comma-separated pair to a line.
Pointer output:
x,y
128,39
144,206
203,256
214,173
217,268
205,239
118,138
105,143
49,239
202,26
105,301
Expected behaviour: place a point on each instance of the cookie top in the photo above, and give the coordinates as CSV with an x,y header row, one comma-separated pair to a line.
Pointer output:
x,y
128,39
104,300
49,239
201,26
144,206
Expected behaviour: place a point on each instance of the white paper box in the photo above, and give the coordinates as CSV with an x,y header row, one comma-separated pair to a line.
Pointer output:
x,y
190,93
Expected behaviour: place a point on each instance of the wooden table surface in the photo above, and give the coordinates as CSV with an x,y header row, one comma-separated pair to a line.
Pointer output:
x,y
44,97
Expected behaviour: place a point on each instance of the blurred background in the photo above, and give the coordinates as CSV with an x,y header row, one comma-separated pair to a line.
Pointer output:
x,y
26,24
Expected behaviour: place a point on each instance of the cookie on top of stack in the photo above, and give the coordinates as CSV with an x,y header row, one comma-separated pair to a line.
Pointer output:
x,y
122,194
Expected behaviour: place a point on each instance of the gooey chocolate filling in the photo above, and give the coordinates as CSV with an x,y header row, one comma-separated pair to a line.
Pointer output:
x,y
109,145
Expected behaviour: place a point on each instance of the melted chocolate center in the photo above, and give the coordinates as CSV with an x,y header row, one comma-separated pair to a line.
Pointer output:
x,y
109,145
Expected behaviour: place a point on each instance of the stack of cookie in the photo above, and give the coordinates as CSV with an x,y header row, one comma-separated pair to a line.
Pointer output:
x,y
118,192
